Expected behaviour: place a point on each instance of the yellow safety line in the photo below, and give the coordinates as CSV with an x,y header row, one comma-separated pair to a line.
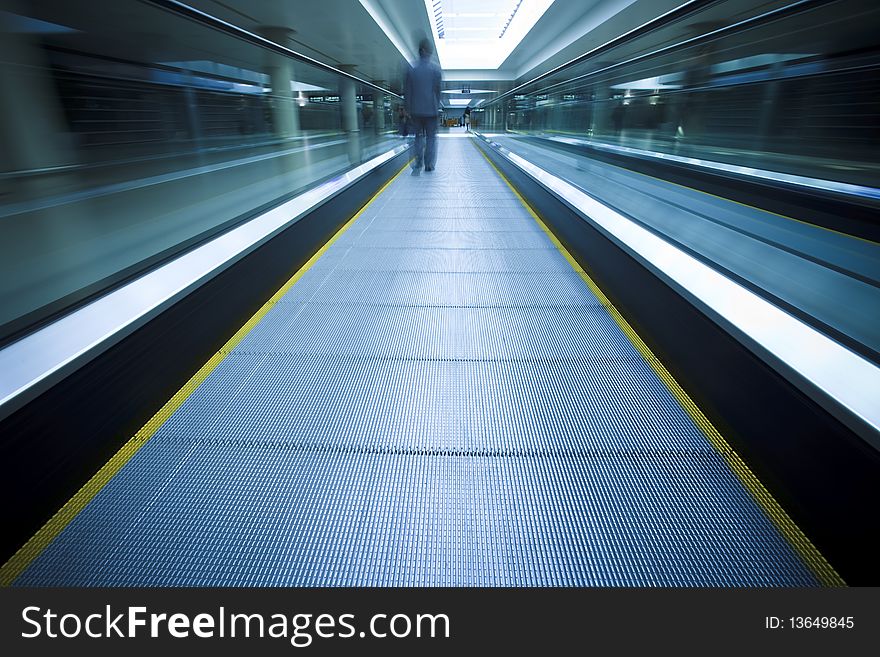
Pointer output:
x,y
808,552
56,524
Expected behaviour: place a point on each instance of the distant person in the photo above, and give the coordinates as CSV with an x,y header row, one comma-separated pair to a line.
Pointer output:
x,y
467,119
367,113
617,118
422,96
402,122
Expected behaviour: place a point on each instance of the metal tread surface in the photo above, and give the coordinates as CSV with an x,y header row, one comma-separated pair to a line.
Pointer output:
x,y
490,289
439,401
500,406
445,260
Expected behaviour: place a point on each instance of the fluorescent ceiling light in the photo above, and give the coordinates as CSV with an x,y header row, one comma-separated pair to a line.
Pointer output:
x,y
755,61
468,92
501,27
302,86
660,82
459,102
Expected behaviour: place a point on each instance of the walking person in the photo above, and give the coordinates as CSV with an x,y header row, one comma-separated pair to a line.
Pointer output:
x,y
467,119
422,97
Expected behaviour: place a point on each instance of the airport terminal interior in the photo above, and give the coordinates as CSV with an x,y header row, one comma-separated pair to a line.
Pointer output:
x,y
625,331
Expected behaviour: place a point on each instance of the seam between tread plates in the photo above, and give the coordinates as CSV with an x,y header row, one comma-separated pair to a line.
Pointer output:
x,y
809,554
23,557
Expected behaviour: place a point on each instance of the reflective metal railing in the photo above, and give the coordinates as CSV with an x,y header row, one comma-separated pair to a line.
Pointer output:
x,y
788,87
132,131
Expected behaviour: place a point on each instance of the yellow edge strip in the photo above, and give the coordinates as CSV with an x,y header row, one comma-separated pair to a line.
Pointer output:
x,y
808,552
56,524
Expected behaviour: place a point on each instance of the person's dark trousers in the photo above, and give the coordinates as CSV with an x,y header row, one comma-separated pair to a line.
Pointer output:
x,y
426,141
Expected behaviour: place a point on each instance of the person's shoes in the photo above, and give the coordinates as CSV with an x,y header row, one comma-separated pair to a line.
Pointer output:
x,y
428,169
416,172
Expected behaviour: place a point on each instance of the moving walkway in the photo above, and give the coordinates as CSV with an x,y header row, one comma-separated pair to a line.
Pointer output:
x,y
440,396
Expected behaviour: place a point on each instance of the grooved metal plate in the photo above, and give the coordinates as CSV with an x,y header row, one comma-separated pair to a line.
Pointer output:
x,y
496,406
460,224
405,211
421,206
235,514
444,260
457,239
439,401
443,289
444,332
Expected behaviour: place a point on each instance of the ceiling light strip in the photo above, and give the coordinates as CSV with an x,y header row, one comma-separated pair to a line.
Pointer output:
x,y
438,19
509,20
